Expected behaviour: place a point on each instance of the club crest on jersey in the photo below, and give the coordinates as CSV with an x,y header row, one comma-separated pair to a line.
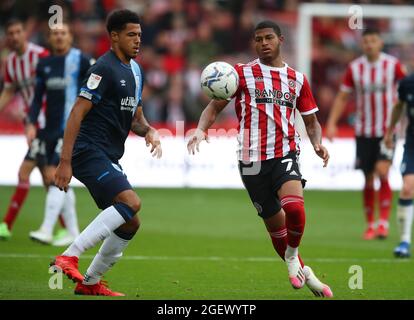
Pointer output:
x,y
291,84
93,81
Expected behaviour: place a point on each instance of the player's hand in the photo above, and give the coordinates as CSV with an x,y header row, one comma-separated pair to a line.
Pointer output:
x,y
195,140
152,138
322,152
331,130
30,131
388,140
63,175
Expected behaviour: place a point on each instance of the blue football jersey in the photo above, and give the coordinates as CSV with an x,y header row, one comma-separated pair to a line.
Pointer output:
x,y
115,90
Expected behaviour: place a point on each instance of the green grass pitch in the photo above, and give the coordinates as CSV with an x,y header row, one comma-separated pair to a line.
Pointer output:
x,y
209,244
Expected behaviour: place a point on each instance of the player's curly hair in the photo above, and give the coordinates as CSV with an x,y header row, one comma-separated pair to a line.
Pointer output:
x,y
118,19
269,24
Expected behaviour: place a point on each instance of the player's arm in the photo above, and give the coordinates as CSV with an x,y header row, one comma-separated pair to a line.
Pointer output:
x,y
337,110
6,96
207,118
63,173
313,128
34,110
8,89
395,117
141,127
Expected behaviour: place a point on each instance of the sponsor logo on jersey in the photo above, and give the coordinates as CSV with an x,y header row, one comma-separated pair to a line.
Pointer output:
x,y
275,97
128,104
93,81
56,83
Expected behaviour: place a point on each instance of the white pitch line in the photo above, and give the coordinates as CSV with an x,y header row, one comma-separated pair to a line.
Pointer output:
x,y
215,258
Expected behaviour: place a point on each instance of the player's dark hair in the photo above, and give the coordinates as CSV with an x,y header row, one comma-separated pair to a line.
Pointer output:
x,y
371,31
13,21
269,24
118,19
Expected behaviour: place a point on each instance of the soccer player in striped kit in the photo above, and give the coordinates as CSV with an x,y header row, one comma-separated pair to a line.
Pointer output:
x,y
19,78
373,76
267,98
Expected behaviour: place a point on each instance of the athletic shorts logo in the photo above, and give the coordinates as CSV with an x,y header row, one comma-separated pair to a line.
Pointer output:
x,y
93,81
258,207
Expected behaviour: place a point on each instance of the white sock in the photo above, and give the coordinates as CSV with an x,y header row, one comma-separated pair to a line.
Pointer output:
x,y
98,230
109,253
54,204
405,221
69,213
291,252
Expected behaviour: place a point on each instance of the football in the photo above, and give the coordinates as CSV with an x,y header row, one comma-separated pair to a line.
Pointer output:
x,y
219,80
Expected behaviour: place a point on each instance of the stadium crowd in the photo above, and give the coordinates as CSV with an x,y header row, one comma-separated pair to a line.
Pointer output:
x,y
181,37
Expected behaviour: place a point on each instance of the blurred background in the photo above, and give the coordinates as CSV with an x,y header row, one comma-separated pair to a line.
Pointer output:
x,y
181,37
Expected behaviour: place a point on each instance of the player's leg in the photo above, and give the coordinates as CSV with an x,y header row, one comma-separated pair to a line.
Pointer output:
x,y
291,198
366,156
65,237
276,227
405,202
405,216
53,207
105,181
382,168
258,179
112,248
18,197
369,205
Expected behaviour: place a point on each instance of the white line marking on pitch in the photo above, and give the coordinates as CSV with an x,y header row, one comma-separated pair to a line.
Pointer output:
x,y
213,258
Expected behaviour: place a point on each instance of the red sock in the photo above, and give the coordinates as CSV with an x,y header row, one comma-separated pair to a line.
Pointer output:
x,y
369,198
279,241
295,219
385,199
62,222
16,203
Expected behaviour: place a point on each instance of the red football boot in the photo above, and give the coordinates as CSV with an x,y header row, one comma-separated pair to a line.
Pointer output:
x,y
382,232
369,234
99,289
69,266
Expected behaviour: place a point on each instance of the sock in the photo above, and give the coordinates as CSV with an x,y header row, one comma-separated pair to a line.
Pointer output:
x,y
385,199
279,241
405,218
100,228
109,253
62,221
54,205
16,202
69,213
369,197
295,219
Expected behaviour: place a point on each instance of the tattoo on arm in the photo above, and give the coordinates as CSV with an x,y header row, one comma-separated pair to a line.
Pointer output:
x,y
313,128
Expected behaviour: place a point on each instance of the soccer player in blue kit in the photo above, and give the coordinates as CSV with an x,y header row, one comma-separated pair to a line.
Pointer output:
x,y
108,108
405,201
58,80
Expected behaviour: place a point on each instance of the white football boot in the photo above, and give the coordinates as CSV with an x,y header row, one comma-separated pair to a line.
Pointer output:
x,y
41,236
318,288
296,275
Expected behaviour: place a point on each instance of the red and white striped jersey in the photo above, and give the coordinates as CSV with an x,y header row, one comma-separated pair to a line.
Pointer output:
x,y
20,71
375,88
266,103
